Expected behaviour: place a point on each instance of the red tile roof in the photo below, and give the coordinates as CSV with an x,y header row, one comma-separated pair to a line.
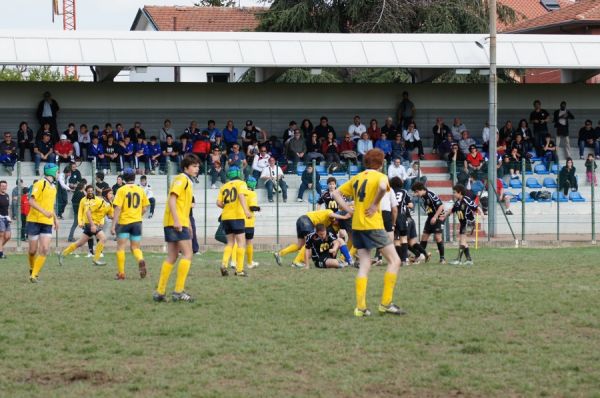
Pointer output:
x,y
204,19
527,9
581,11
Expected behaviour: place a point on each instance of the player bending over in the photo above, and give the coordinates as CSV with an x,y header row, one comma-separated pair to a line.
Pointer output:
x,y
322,247
178,233
434,208
367,189
93,210
465,210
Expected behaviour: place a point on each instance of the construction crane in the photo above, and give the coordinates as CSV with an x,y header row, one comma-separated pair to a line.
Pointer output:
x,y
69,16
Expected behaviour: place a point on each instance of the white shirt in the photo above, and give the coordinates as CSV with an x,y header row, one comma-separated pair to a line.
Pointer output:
x,y
356,131
148,190
260,162
411,173
399,171
47,112
388,200
457,131
84,138
272,172
411,137
62,180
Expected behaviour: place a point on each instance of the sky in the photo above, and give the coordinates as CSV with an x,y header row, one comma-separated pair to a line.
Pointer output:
x,y
91,14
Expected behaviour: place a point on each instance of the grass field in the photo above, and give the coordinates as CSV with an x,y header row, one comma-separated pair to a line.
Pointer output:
x,y
519,323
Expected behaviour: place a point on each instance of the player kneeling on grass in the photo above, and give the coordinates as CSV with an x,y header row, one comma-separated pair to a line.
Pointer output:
x,y
130,205
322,247
178,233
93,210
367,189
40,219
465,210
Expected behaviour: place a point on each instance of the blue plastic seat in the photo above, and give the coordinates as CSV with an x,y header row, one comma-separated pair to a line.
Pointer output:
x,y
561,197
527,198
550,182
300,168
321,169
541,169
504,184
312,199
516,183
339,174
554,169
576,197
323,184
532,182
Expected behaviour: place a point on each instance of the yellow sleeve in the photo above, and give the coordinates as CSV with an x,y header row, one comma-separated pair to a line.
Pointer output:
x,y
346,188
111,211
81,212
220,196
36,190
178,187
145,201
119,198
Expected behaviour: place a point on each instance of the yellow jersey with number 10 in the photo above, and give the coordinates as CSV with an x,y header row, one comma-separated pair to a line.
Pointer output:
x,y
229,195
131,199
44,193
362,188
182,187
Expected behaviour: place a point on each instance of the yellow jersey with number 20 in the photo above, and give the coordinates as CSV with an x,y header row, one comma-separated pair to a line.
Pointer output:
x,y
362,188
229,195
183,188
131,199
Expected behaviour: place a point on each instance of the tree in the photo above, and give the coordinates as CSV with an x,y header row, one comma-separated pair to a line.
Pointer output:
x,y
34,74
215,3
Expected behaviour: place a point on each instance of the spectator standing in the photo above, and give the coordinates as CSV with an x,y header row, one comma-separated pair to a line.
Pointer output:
x,y
566,178
440,132
385,145
588,138
561,122
590,170
260,162
330,150
230,135
8,153
24,212
457,128
296,148
457,158
149,194
75,177
390,129
347,149
406,111
165,130
314,149
356,129
62,192
307,129
101,185
84,139
43,152
25,140
47,112
307,182
63,150
78,194
324,128
363,146
118,184
396,169
539,119
374,131
273,177
465,142
412,140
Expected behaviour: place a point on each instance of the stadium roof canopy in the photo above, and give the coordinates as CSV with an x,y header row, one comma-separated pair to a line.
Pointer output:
x,y
285,50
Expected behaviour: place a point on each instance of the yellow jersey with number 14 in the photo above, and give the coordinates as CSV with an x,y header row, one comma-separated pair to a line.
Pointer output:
x,y
131,199
229,195
362,188
182,187
44,193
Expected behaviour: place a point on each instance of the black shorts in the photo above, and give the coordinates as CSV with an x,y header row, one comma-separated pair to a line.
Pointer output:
x,y
320,262
387,221
171,235
132,231
304,227
249,233
464,225
35,229
88,231
436,228
370,239
235,227
405,227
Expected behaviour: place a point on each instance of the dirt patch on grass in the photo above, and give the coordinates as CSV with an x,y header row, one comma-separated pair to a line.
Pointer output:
x,y
65,377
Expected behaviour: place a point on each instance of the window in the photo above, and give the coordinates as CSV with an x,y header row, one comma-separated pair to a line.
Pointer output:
x,y
217,77
550,5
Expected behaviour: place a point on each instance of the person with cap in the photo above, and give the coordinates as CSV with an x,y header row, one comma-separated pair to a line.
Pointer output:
x,y
43,151
47,111
251,132
40,220
63,150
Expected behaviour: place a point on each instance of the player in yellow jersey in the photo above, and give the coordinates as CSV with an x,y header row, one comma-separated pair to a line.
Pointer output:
x,y
130,204
367,189
40,220
178,231
232,200
252,202
93,210
305,225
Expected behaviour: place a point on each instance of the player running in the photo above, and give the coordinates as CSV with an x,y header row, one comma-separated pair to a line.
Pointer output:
x,y
40,219
367,189
232,200
130,204
434,208
465,210
93,210
322,247
178,233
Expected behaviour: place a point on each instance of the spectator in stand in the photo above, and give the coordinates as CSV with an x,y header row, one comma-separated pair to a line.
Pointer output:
x,y
475,164
363,146
588,138
118,184
567,178
230,135
314,150
389,128
406,111
237,158
539,119
457,128
501,147
84,139
399,150
219,144
78,194
96,151
252,132
260,162
137,131
561,122
396,169
252,151
96,131
324,128
201,146
170,154
385,145
118,134
25,140
507,132
549,152
485,138
47,112
526,135
515,161
217,171
503,196
154,154
440,132
465,142
45,129
8,153
141,156
185,145
72,136
63,150
413,175
445,146
307,182
108,130
276,149
412,140
62,191
330,150
590,170
288,133
307,129
211,131
296,148
165,130
43,152
111,155
272,175
455,159
149,194
347,149
505,168
356,129
24,212
192,131
519,145
127,153
374,131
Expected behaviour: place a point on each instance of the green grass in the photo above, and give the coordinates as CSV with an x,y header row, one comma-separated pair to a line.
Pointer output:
x,y
519,323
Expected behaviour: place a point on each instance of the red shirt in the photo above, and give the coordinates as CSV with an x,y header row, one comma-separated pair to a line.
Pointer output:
x,y
346,146
374,134
475,161
24,204
63,148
